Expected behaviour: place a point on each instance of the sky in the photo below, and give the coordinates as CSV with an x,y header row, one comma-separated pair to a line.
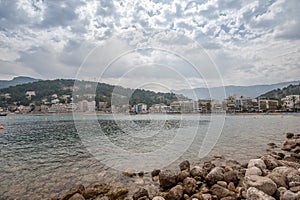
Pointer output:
x,y
162,44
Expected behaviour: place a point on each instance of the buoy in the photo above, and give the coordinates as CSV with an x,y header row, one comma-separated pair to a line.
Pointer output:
x,y
1,127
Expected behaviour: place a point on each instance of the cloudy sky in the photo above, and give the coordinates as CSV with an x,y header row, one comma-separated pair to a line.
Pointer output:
x,y
192,42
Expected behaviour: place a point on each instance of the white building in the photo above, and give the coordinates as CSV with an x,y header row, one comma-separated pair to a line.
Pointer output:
x,y
290,102
29,94
86,106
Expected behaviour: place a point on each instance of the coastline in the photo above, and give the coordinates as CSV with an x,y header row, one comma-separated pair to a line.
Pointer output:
x,y
275,175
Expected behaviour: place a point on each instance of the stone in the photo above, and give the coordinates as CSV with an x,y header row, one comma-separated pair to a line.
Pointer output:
x,y
228,198
76,189
255,194
167,179
129,173
158,198
77,196
185,165
291,164
284,170
215,175
231,176
155,172
289,144
189,185
279,179
196,171
257,163
289,135
222,183
94,190
206,196
141,174
197,196
175,193
221,192
183,175
240,191
270,162
253,171
231,187
264,184
207,167
117,193
143,198
295,189
141,192
288,195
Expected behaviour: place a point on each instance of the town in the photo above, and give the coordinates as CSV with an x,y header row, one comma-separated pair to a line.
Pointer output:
x,y
232,104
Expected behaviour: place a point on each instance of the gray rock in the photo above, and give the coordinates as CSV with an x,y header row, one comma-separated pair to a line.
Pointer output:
x,y
257,163
175,193
288,195
185,165
279,179
221,192
189,185
231,176
284,170
255,194
167,179
270,162
141,192
196,171
253,171
295,189
264,184
215,175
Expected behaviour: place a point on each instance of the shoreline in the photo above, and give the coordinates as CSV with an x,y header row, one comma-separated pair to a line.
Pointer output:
x,y
275,175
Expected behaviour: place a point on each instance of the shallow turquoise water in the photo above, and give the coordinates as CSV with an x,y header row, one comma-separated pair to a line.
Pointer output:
x,y
43,155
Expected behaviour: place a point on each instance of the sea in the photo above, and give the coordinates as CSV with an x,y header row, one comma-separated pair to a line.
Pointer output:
x,y
44,155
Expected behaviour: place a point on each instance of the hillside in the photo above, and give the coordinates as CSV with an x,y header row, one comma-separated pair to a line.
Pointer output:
x,y
16,81
246,91
62,87
281,93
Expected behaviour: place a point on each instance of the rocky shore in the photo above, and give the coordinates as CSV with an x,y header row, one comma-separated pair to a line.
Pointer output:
x,y
275,175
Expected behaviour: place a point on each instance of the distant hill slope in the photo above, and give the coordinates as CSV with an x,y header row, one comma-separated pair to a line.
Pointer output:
x,y
247,91
281,93
46,88
16,81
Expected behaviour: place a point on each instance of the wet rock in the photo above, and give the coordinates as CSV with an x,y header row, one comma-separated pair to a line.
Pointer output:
x,y
185,165
77,196
257,163
189,185
288,195
196,171
141,174
253,171
117,193
289,135
183,175
175,193
215,175
264,184
155,172
255,194
76,189
167,179
221,192
158,198
270,162
279,179
231,176
141,192
129,173
94,190
272,144
289,144
219,156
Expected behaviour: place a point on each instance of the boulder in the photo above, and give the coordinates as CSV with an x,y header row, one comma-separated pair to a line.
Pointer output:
x,y
270,162
221,192
295,189
253,171
231,176
185,165
141,192
189,185
284,170
155,172
289,135
288,195
257,163
94,190
77,196
196,171
167,179
279,179
117,193
264,184
215,175
76,189
175,193
255,194
183,175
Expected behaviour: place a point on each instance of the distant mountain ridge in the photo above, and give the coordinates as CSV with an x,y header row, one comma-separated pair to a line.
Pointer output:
x,y
252,91
281,93
19,80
